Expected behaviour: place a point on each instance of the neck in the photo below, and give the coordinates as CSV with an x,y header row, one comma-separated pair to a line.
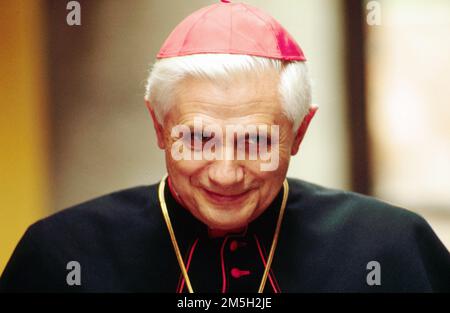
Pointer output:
x,y
215,233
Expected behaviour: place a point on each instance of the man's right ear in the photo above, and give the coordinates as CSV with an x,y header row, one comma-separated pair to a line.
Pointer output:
x,y
156,125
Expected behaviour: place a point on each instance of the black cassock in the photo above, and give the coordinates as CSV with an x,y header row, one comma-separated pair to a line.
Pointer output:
x,y
328,239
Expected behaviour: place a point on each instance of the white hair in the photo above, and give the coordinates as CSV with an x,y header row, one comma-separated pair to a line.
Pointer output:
x,y
294,88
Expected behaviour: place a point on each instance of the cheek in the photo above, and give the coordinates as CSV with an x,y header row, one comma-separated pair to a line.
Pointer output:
x,y
267,178
186,168
279,156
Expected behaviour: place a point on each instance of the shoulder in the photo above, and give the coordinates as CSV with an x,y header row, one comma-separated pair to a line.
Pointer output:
x,y
102,233
110,219
344,208
118,207
369,224
342,231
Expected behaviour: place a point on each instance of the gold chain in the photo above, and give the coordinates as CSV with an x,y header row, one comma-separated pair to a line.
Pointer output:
x,y
165,213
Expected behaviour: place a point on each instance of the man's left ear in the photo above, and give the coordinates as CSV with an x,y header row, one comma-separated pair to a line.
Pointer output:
x,y
302,129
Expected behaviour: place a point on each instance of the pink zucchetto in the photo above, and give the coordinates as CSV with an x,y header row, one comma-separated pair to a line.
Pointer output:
x,y
231,28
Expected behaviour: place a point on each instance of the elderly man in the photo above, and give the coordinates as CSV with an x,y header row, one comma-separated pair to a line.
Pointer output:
x,y
230,101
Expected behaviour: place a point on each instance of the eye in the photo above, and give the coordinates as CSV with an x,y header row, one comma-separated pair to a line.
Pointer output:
x,y
266,139
257,139
253,139
199,138
196,137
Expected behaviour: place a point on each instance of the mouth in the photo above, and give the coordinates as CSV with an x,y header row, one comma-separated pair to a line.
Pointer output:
x,y
220,198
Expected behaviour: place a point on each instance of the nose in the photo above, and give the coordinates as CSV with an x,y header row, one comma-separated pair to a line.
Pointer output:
x,y
225,173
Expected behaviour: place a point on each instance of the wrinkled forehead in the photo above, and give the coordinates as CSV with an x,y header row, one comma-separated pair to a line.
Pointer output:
x,y
240,98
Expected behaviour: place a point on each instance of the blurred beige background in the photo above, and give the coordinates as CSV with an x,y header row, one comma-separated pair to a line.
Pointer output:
x,y
74,124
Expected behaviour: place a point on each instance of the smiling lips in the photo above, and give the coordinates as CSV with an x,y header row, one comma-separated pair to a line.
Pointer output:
x,y
221,198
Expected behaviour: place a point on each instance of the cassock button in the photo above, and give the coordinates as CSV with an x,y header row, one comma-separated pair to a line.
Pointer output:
x,y
237,273
234,245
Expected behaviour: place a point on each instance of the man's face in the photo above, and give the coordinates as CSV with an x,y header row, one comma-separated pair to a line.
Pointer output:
x,y
227,193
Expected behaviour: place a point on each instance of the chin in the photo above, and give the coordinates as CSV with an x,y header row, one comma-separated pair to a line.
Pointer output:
x,y
226,221
220,225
